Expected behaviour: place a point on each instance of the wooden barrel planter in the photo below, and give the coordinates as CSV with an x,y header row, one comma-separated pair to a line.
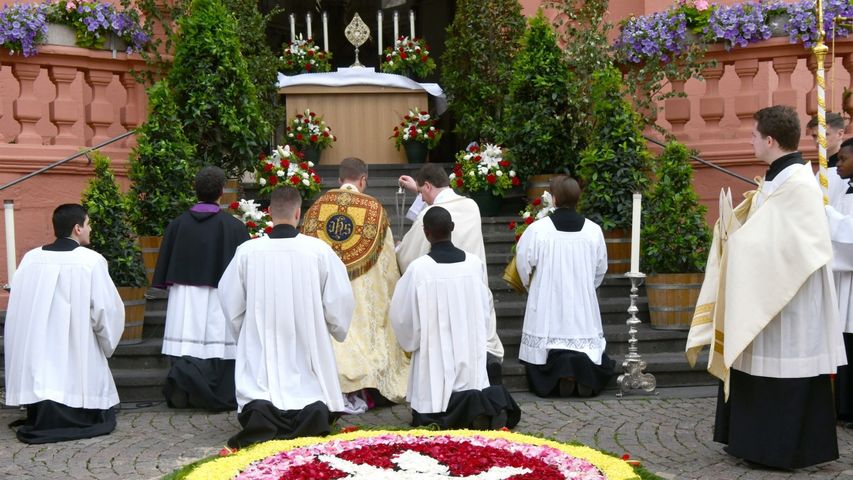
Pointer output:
x,y
134,314
618,244
150,247
672,299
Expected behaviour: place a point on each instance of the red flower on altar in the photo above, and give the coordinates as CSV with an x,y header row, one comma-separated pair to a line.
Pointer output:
x,y
403,55
504,163
304,166
313,138
234,206
267,167
268,230
273,180
537,201
251,224
307,67
408,57
491,179
459,182
299,136
295,180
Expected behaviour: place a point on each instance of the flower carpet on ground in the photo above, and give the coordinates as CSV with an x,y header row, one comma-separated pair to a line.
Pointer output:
x,y
416,454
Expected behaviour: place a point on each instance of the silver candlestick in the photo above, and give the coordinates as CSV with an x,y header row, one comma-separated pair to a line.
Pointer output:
x,y
400,207
634,378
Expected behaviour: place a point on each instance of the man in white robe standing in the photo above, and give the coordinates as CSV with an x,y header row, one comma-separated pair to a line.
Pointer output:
x,y
196,248
768,308
433,185
440,312
285,297
64,319
835,126
562,340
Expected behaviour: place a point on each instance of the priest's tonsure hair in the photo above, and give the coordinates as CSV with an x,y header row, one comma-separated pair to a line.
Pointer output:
x,y
352,168
780,122
209,183
433,174
65,217
565,190
438,222
284,201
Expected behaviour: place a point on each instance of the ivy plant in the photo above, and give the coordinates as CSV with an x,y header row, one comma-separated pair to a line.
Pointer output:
x,y
112,235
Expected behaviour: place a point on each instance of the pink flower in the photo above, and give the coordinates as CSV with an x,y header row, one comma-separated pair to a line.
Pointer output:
x,y
701,5
70,6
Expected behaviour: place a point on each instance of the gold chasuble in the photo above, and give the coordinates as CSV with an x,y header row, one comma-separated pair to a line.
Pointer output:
x,y
356,226
761,255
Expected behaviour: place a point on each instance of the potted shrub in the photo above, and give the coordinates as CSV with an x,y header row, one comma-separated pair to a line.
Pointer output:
x,y
162,170
310,135
613,166
417,134
484,175
409,57
675,241
537,125
112,237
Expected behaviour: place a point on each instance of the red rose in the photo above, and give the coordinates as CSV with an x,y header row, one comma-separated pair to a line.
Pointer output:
x,y
303,166
517,237
334,138
312,114
314,138
431,134
504,163
473,149
316,178
476,158
528,220
403,55
234,206
251,224
491,179
424,59
306,120
299,136
295,180
262,156
307,67
459,182
267,167
310,53
268,230
387,58
512,225
516,181
423,112
273,180
298,115
325,133
421,123
537,201
321,56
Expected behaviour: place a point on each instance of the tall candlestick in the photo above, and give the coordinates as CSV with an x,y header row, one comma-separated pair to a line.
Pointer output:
x,y
396,27
412,23
379,32
325,31
308,24
292,28
635,233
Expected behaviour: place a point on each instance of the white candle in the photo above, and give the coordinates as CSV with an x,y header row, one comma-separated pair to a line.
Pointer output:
x,y
325,31
379,32
396,27
308,24
412,23
292,28
635,233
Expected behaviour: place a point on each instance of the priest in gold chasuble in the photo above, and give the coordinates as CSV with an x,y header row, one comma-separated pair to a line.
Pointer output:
x,y
356,226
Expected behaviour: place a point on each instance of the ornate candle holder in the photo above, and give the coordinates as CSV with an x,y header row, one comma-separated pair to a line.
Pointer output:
x,y
634,378
357,33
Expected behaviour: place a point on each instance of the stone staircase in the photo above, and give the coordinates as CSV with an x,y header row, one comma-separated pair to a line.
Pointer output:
x,y
139,370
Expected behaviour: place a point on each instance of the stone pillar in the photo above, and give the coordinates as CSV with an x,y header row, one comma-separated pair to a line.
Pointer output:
x,y
66,110
27,107
130,118
746,101
99,112
677,110
847,107
785,93
811,97
712,106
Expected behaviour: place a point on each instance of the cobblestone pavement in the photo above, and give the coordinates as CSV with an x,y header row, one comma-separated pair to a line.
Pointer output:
x,y
670,434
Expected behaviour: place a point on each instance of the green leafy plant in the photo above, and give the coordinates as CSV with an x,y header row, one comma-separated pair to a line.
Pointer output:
x,y
615,163
217,101
162,166
476,67
537,116
112,235
675,234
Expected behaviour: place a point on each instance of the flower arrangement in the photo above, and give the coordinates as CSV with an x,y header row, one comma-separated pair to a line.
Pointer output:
x,y
539,208
479,169
409,56
662,36
417,126
285,167
416,454
309,130
23,27
301,55
257,220
94,20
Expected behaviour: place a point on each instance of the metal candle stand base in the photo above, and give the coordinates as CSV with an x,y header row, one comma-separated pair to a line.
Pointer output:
x,y
634,378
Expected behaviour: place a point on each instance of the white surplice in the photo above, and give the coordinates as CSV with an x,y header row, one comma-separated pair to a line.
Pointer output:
x,y
836,186
561,270
195,325
64,319
467,235
840,216
283,298
440,312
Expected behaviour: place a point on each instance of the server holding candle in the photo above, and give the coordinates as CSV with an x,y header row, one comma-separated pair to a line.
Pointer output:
x,y
561,260
767,307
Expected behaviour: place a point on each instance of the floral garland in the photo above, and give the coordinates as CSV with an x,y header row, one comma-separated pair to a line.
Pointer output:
x,y
379,455
257,221
483,169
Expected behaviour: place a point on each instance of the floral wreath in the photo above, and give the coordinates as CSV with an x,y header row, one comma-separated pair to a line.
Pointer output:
x,y
415,454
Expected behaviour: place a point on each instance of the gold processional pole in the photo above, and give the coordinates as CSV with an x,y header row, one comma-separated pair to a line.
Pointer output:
x,y
820,49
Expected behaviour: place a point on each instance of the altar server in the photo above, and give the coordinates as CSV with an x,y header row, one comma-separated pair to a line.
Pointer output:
x,y
768,307
196,248
285,297
562,340
433,185
441,312
835,126
64,319
356,226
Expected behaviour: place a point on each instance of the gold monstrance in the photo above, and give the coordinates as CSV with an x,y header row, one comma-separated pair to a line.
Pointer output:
x,y
357,33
